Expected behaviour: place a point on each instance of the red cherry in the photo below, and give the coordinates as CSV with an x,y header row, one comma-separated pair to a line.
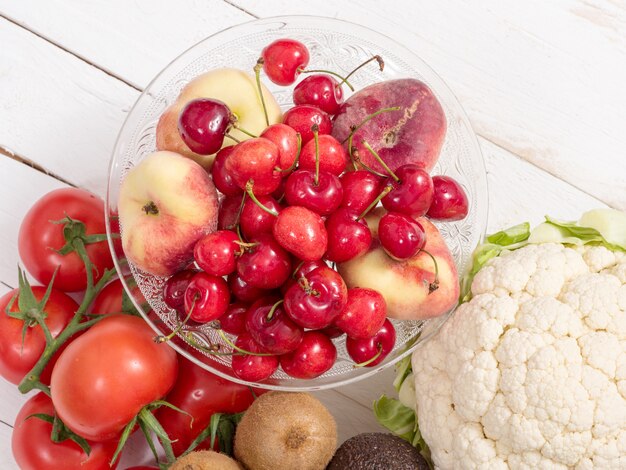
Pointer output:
x,y
363,350
333,157
315,355
254,159
332,332
254,220
286,139
412,194
208,295
276,334
319,90
202,124
302,117
360,188
228,211
305,267
364,313
215,253
243,291
250,367
175,287
266,265
234,320
222,180
323,197
317,298
400,236
301,232
283,60
347,236
449,200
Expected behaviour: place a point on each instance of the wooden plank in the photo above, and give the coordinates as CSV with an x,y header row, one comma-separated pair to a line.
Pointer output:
x,y
141,37
6,456
57,110
541,79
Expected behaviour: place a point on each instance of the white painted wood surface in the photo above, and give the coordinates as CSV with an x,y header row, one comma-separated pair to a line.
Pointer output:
x,y
541,81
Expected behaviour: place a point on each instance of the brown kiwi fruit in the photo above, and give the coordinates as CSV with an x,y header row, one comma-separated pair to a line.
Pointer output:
x,y
205,460
286,431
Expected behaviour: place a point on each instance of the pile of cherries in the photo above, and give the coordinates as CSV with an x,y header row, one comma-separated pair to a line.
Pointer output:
x,y
290,211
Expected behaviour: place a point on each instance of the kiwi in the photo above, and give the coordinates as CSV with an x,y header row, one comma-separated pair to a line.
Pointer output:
x,y
377,451
286,431
205,460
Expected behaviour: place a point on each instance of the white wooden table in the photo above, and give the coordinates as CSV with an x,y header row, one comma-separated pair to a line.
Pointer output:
x,y
542,82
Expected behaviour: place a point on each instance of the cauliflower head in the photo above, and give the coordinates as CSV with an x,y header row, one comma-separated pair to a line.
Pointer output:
x,y
531,372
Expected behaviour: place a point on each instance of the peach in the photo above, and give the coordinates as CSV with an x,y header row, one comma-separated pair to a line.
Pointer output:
x,y
412,134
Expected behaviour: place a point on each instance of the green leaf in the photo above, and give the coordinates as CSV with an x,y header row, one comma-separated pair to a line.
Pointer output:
x,y
571,230
396,417
403,369
124,438
511,235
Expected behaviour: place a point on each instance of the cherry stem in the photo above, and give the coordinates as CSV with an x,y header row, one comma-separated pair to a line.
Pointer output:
x,y
240,129
433,286
371,359
293,275
232,138
353,129
295,160
243,245
179,325
257,74
213,350
304,283
249,186
343,80
237,348
380,160
373,204
377,58
356,158
315,129
270,314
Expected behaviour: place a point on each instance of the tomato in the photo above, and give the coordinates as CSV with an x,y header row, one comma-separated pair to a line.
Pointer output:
x,y
17,356
39,238
105,376
200,393
34,450
111,298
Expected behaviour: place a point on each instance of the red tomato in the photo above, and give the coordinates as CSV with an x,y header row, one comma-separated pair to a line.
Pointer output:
x,y
110,298
34,450
17,356
199,393
39,238
104,377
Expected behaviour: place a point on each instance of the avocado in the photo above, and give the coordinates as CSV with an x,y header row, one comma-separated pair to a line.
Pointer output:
x,y
377,451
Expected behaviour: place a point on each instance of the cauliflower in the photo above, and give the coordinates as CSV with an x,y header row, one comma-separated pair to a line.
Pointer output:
x,y
531,372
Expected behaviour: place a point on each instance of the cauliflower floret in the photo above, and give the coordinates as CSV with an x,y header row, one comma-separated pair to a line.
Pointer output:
x,y
531,373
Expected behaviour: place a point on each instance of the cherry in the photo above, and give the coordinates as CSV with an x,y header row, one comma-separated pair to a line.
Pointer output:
x,y
348,236
301,232
400,236
203,123
266,264
271,328
364,313
216,253
305,267
322,197
228,212
363,351
222,180
208,296
317,298
319,90
412,191
254,159
332,332
175,287
252,367
449,200
360,188
315,355
286,139
283,60
243,291
254,220
332,155
234,320
302,117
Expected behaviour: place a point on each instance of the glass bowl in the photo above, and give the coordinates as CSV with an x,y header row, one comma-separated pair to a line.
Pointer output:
x,y
334,45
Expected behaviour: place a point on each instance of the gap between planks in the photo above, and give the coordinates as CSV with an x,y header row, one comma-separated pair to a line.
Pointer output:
x,y
18,158
234,5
